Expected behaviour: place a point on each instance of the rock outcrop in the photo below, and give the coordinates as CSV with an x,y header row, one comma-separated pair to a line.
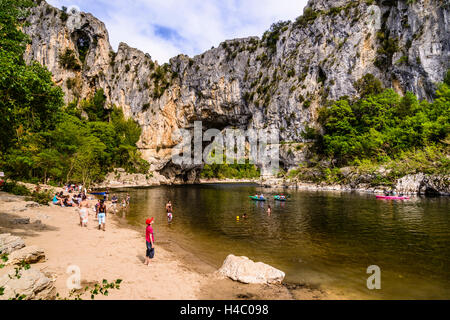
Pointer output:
x,y
9,243
31,254
424,184
121,179
32,284
277,82
245,270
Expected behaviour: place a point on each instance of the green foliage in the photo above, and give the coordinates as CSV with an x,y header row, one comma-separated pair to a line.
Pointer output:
x,y
95,107
41,140
368,85
98,289
161,79
270,38
12,40
15,188
68,60
41,197
383,125
388,46
231,171
309,15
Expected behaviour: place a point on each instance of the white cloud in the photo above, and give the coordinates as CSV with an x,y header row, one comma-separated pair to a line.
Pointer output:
x,y
165,28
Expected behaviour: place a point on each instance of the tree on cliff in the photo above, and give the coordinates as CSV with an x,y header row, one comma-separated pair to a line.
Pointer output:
x,y
39,139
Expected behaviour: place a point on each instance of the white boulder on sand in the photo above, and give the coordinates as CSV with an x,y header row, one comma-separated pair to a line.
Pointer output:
x,y
31,254
244,270
32,283
9,243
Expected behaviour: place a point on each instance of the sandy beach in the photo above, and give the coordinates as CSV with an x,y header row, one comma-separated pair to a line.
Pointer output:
x,y
118,253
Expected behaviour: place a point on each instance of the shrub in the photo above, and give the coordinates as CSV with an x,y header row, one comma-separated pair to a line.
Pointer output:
x,y
42,198
15,188
68,60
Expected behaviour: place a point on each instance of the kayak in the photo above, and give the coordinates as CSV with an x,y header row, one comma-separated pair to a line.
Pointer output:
x,y
279,199
257,198
393,197
98,193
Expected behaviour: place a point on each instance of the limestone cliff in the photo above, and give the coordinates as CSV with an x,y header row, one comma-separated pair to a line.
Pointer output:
x,y
276,81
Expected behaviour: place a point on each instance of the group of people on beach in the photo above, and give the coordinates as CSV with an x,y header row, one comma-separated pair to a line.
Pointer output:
x,y
69,188
81,201
62,200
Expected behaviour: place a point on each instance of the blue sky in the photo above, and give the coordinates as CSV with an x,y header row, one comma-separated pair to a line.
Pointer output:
x,y
166,28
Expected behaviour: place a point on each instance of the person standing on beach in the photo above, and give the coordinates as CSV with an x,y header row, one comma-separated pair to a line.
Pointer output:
x,y
101,215
150,241
97,205
84,205
269,210
128,199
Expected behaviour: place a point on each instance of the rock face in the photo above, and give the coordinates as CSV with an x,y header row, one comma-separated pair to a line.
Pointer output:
x,y
32,283
31,254
120,178
274,82
245,270
9,243
424,184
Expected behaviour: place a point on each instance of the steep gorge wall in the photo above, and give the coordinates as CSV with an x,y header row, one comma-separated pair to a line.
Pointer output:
x,y
278,81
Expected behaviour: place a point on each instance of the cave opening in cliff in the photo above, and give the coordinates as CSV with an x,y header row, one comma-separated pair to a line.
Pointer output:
x,y
83,43
431,192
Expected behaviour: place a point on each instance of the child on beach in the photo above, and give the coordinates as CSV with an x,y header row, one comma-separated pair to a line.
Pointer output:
x,y
149,240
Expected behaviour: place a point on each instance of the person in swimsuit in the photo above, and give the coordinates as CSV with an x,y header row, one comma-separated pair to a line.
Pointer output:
x,y
101,215
269,210
96,209
84,205
169,211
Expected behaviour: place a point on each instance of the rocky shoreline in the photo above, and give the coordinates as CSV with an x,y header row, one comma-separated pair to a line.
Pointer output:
x,y
413,184
416,184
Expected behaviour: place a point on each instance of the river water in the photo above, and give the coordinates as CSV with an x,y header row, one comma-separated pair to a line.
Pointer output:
x,y
323,239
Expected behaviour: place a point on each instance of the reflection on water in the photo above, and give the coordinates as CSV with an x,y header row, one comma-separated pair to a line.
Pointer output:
x,y
327,239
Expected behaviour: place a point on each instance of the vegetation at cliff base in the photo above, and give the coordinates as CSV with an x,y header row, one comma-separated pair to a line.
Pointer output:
x,y
43,140
380,129
382,124
233,170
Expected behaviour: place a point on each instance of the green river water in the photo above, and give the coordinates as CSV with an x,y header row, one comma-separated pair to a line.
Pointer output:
x,y
324,239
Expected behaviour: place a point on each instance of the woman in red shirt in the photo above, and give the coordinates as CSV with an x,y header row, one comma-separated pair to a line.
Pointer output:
x,y
149,239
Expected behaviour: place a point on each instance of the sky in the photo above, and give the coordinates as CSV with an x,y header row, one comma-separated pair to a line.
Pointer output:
x,y
166,28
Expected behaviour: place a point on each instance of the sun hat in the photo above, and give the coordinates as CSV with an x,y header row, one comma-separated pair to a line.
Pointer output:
x,y
148,221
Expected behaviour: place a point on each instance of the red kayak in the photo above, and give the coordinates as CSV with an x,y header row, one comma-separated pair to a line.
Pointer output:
x,y
393,197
